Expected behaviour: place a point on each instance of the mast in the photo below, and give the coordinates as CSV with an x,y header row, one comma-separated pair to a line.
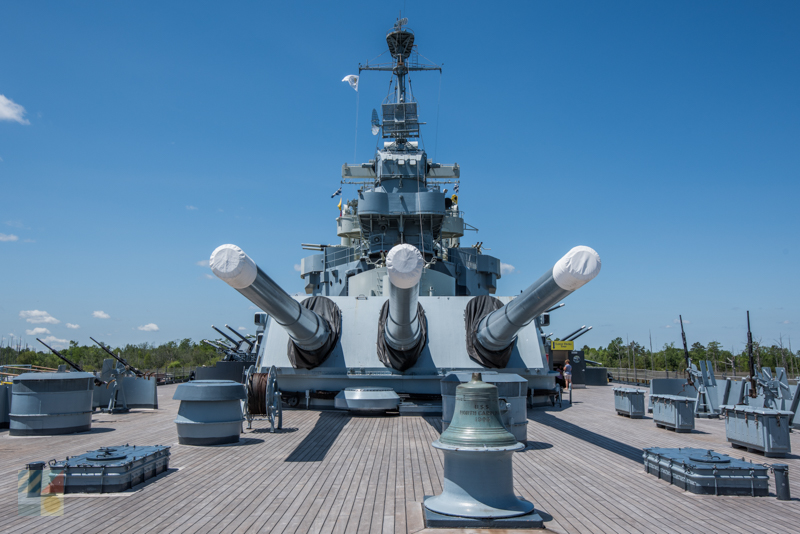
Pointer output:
x,y
400,119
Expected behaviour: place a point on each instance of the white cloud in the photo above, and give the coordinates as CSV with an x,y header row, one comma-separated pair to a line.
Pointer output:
x,y
38,317
297,267
787,322
15,224
209,276
53,340
668,326
242,328
73,326
38,331
8,237
506,268
191,208
149,327
202,263
685,321
101,315
11,111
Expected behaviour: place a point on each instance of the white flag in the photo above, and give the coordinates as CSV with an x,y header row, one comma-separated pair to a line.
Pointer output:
x,y
352,79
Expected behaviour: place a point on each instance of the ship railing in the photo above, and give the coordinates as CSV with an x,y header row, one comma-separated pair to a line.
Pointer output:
x,y
341,256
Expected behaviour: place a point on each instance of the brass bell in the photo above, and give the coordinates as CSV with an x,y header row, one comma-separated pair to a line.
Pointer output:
x,y
478,471
476,418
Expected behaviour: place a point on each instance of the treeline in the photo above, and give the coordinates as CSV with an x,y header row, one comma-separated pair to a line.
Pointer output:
x,y
173,354
186,353
671,358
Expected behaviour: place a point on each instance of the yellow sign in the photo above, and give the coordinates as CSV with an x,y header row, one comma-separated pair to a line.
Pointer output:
x,y
563,345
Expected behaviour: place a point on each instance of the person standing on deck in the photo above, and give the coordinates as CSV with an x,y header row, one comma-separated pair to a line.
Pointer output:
x,y
568,373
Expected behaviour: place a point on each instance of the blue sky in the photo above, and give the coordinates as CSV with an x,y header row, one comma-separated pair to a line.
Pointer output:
x,y
664,135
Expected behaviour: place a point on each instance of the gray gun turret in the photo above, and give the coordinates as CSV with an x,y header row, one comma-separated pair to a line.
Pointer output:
x,y
497,330
307,329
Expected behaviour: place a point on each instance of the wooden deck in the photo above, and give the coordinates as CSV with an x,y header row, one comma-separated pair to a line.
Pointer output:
x,y
328,472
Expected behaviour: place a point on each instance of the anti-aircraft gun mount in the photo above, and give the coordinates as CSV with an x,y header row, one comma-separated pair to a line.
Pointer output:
x,y
707,403
130,387
242,350
761,389
97,381
399,303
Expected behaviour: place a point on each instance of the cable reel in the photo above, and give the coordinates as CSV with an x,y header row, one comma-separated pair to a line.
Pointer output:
x,y
263,397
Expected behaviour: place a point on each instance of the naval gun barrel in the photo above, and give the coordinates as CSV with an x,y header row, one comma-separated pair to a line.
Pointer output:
x,y
574,337
566,338
120,359
497,330
69,362
404,265
308,330
244,339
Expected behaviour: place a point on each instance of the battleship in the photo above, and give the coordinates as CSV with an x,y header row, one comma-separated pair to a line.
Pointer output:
x,y
398,303
336,471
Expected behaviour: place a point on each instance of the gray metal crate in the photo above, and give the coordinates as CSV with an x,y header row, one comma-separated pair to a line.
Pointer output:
x,y
111,469
758,429
630,402
673,412
705,472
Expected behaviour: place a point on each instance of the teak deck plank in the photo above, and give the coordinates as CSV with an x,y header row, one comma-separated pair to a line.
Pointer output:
x,y
330,472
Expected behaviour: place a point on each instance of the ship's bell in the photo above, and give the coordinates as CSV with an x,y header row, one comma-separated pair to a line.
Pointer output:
x,y
476,418
478,472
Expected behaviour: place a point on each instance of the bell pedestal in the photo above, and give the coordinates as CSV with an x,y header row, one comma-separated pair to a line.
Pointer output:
x,y
478,483
478,490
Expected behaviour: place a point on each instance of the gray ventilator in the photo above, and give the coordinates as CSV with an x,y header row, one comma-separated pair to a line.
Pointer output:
x,y
308,330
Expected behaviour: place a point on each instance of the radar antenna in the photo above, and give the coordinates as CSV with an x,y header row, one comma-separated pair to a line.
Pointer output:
x,y
400,118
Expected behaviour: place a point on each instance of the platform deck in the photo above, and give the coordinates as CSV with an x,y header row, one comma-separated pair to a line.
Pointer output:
x,y
329,472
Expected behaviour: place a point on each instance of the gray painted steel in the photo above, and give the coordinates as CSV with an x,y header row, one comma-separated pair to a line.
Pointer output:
x,y
795,407
111,469
367,400
223,371
354,360
759,429
46,404
511,388
773,393
736,394
138,392
705,472
402,326
307,329
673,412
596,376
478,484
5,404
782,490
671,386
630,402
707,404
497,330
210,412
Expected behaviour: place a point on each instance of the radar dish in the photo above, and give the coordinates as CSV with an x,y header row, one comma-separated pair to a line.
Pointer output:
x,y
376,123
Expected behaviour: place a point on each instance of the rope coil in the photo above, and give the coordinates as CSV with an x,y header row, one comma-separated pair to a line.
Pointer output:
x,y
257,393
